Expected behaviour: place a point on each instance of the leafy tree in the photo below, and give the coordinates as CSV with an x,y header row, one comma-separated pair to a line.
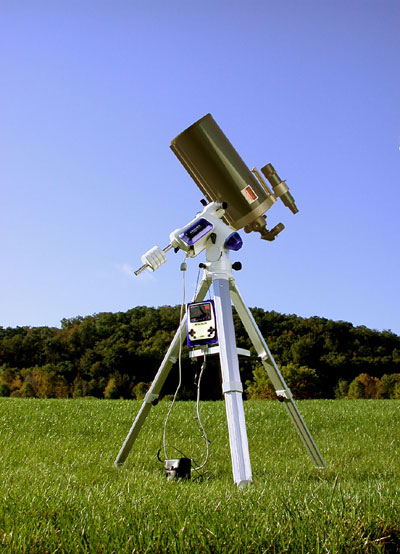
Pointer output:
x,y
4,390
301,380
47,384
68,323
7,375
388,386
261,387
26,391
341,389
111,391
139,391
364,386
356,390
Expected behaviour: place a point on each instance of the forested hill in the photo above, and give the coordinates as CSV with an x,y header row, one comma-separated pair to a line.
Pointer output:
x,y
116,355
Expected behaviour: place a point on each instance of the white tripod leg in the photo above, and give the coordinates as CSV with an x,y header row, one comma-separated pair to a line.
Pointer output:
x,y
151,397
231,384
278,382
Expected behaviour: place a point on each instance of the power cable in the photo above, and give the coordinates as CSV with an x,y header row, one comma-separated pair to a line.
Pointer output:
x,y
203,431
198,386
183,269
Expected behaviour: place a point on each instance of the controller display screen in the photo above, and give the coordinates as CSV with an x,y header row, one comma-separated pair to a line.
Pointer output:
x,y
200,312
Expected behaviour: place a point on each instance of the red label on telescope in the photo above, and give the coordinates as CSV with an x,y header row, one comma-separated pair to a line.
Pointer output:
x,y
249,194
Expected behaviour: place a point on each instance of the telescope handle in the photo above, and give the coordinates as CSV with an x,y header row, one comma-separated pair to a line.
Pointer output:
x,y
145,266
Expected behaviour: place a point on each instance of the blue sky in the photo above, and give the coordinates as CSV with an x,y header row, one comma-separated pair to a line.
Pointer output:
x,y
93,92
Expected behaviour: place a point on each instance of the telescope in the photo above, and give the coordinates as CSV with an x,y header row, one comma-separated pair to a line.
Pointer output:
x,y
222,176
235,198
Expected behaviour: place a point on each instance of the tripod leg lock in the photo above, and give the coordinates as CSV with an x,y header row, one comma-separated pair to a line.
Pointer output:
x,y
283,395
232,386
264,357
151,398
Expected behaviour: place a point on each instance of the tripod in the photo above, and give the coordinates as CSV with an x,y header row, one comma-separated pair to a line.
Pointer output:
x,y
218,274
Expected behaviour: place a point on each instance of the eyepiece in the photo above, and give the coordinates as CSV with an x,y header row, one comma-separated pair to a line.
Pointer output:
x,y
281,190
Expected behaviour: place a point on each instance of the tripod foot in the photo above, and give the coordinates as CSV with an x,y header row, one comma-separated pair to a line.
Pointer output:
x,y
244,484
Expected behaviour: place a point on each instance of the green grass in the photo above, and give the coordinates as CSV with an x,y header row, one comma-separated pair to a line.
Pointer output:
x,y
60,492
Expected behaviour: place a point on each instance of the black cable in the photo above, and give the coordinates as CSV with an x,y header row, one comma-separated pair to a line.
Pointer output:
x,y
203,431
183,269
203,366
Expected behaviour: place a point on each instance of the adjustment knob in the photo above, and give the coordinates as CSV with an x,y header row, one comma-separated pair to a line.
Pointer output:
x,y
237,266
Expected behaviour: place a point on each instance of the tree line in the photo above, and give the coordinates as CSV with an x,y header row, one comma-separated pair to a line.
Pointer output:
x,y
116,355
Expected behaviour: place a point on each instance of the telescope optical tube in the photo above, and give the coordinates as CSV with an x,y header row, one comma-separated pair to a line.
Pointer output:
x,y
222,176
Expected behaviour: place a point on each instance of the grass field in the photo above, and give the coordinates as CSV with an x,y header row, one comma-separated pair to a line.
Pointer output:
x,y
61,493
